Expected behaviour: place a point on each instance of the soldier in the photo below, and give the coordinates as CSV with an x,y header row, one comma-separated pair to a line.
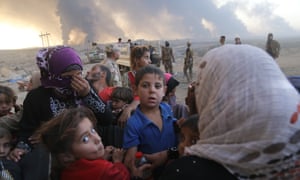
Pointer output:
x,y
188,62
272,46
113,54
167,57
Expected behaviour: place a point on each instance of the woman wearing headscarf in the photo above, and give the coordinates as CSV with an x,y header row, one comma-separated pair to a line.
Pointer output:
x,y
249,126
62,86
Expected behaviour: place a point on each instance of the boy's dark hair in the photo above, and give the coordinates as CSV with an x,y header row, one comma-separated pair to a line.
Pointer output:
x,y
122,93
10,95
149,69
191,122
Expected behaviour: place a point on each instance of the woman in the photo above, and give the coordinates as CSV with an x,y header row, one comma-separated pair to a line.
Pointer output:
x,y
249,119
62,86
139,57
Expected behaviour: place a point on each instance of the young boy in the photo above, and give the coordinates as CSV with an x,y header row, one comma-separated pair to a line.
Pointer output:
x,y
150,129
112,135
120,98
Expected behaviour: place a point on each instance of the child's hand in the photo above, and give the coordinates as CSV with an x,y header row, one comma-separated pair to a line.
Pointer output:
x,y
118,155
108,152
190,100
16,154
35,139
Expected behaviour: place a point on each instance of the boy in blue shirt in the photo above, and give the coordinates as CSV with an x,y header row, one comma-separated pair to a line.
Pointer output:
x,y
151,128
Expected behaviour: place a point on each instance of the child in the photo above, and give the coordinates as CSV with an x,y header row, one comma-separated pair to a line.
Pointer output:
x,y
121,97
188,133
8,119
150,129
77,148
9,169
179,110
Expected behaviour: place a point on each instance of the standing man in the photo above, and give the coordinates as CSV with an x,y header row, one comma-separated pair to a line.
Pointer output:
x,y
112,55
167,57
188,62
272,46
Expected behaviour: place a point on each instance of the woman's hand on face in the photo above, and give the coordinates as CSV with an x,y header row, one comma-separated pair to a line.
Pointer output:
x,y
80,85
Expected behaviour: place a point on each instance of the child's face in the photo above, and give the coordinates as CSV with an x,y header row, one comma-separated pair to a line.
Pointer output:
x,y
117,103
87,143
5,105
144,60
151,90
187,138
5,146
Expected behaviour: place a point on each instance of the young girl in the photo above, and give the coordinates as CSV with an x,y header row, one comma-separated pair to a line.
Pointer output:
x,y
179,110
139,57
77,148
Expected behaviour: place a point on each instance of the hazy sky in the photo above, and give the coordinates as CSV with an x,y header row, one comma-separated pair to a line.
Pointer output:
x,y
80,21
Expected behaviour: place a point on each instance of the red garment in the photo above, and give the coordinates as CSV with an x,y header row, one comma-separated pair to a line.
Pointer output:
x,y
131,77
105,94
95,170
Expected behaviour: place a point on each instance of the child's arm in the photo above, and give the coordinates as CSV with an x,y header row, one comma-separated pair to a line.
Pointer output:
x,y
130,163
127,113
129,160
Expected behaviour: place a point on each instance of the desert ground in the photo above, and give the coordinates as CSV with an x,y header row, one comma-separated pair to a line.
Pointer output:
x,y
19,64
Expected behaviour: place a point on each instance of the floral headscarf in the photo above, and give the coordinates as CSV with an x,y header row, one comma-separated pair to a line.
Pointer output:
x,y
249,114
52,62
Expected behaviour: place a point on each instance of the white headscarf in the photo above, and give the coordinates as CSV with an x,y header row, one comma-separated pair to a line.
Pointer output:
x,y
249,114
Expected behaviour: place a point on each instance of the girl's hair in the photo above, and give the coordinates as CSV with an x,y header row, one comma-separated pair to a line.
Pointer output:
x,y
58,133
136,53
10,95
123,93
5,133
149,69
191,122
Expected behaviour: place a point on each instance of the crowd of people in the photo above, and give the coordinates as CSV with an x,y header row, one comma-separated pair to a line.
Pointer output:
x,y
240,119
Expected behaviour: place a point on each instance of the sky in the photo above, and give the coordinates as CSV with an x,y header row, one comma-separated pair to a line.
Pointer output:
x,y
24,23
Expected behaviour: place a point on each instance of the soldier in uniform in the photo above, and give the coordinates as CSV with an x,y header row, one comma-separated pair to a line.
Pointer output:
x,y
272,46
113,54
167,57
188,62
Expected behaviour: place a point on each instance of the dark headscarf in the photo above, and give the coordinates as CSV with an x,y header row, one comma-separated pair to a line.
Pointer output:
x,y
54,61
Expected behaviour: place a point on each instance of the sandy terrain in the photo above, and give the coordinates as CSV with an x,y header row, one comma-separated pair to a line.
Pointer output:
x,y
18,64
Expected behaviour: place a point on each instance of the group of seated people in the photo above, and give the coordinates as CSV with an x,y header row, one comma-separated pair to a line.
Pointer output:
x,y
242,121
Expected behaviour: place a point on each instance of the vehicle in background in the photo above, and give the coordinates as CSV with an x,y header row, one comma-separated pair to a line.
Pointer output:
x,y
95,54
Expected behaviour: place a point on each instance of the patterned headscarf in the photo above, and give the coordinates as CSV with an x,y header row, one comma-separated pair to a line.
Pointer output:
x,y
52,62
249,114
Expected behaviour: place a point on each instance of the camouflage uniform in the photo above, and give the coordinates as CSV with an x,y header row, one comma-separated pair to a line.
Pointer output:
x,y
188,63
167,57
115,72
272,46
